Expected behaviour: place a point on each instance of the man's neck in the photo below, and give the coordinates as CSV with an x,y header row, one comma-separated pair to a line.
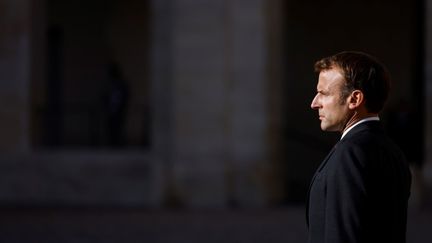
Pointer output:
x,y
358,115
365,119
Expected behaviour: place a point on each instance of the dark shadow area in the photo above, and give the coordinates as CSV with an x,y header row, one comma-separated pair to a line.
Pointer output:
x,y
129,225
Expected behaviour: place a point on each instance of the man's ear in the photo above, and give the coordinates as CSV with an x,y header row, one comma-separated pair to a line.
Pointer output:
x,y
355,99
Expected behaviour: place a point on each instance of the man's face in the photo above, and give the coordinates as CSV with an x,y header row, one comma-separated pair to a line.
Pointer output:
x,y
332,109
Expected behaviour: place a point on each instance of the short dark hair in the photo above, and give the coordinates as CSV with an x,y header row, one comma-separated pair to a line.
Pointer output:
x,y
362,72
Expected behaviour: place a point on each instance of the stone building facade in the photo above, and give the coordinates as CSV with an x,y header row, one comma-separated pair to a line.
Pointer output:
x,y
219,92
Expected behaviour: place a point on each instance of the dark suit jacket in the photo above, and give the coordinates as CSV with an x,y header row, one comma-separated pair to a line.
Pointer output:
x,y
360,191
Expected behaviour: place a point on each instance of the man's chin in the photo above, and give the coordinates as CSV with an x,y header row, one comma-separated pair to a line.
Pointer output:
x,y
325,128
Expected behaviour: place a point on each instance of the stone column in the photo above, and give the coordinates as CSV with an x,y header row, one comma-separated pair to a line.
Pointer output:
x,y
248,165
428,94
15,75
218,101
199,101
161,98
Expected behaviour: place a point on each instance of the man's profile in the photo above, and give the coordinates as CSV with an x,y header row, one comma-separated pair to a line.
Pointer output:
x,y
359,193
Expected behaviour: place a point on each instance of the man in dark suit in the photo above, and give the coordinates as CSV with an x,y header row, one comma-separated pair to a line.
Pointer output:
x,y
359,193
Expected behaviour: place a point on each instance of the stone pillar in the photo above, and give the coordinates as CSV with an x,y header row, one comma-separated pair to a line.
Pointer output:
x,y
200,101
218,101
15,75
428,94
248,165
161,78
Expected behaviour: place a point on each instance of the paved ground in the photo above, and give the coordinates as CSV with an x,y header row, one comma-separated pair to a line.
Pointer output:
x,y
285,224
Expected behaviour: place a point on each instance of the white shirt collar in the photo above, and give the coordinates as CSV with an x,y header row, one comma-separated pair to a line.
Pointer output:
x,y
373,118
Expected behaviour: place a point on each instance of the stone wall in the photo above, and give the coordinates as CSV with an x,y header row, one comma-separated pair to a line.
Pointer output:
x,y
208,86
230,86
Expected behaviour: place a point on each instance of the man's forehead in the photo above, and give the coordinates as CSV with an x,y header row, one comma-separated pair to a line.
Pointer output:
x,y
330,78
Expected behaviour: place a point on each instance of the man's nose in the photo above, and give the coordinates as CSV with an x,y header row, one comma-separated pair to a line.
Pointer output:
x,y
314,104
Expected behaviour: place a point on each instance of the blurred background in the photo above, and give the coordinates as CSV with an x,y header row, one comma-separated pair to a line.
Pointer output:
x,y
190,120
